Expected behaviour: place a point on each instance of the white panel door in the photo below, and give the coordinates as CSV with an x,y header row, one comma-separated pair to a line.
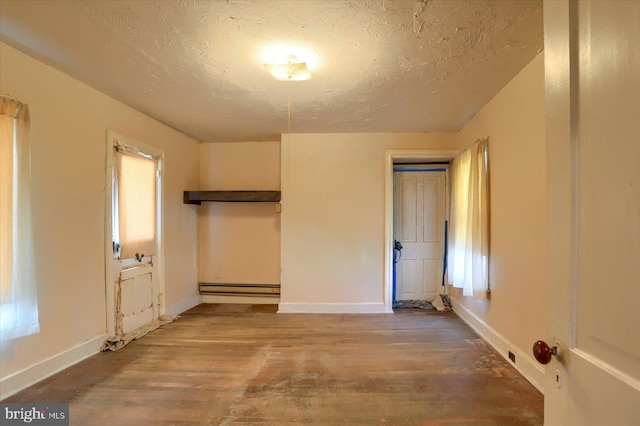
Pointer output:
x,y
419,215
592,63
134,281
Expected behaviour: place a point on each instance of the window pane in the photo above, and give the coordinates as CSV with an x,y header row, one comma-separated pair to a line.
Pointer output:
x,y
137,205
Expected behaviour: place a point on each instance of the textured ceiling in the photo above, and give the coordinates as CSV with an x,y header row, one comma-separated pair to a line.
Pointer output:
x,y
382,66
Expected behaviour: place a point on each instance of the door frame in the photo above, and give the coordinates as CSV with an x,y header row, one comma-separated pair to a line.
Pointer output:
x,y
113,139
392,157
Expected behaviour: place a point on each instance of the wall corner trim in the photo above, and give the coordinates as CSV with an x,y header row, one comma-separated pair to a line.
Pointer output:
x,y
525,365
22,379
332,308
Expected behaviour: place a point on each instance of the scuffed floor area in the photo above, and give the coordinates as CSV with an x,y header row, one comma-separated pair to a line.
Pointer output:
x,y
247,365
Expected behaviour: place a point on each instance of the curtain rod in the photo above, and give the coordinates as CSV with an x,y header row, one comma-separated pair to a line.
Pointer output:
x,y
11,98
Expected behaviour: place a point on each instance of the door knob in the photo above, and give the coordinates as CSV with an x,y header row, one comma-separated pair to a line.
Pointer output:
x,y
543,352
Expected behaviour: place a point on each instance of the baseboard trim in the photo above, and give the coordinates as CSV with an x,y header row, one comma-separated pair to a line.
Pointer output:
x,y
22,379
251,300
185,306
332,308
525,365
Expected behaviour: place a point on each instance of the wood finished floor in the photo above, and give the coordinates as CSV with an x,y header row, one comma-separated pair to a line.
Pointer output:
x,y
247,365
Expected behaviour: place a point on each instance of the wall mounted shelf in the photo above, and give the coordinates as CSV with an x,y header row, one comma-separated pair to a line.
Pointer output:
x,y
197,197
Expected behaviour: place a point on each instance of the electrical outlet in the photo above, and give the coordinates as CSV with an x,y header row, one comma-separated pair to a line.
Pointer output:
x,y
512,357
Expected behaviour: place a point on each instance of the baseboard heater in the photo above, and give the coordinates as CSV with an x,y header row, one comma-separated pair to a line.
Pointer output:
x,y
222,289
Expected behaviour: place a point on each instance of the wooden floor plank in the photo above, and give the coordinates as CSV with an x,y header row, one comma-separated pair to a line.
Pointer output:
x,y
247,365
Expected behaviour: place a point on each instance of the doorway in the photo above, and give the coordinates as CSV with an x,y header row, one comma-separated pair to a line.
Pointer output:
x,y
401,157
133,234
420,212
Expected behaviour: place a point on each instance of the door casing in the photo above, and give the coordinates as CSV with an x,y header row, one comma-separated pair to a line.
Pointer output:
x,y
400,157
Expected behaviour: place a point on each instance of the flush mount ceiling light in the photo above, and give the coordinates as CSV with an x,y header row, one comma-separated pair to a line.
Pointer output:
x,y
291,69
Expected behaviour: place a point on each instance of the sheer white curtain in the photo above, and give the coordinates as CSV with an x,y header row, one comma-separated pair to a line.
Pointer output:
x,y
18,292
469,228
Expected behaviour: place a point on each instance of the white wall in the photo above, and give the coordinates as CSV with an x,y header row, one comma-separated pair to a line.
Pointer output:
x,y
69,121
333,189
514,121
239,242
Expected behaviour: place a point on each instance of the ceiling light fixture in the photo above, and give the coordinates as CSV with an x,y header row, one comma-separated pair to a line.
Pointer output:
x,y
291,70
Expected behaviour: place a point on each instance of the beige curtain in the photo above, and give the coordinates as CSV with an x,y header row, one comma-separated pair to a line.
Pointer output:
x,y
18,291
468,258
136,205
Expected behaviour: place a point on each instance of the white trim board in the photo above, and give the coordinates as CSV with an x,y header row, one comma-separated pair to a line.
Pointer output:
x,y
531,370
22,379
332,308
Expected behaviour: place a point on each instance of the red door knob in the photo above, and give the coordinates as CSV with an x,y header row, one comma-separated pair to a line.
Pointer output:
x,y
543,352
